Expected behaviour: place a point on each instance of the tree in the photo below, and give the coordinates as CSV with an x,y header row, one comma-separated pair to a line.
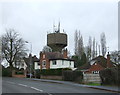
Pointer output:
x,y
77,60
103,43
80,45
47,49
96,53
83,59
93,51
99,49
13,47
76,42
115,57
79,48
89,48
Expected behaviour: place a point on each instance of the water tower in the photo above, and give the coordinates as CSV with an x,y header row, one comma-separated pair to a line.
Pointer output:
x,y
56,40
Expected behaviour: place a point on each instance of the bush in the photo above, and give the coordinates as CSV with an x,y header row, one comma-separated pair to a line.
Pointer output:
x,y
37,73
110,76
6,72
53,72
76,76
19,73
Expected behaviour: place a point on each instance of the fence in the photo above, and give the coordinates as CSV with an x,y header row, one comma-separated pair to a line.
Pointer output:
x,y
93,78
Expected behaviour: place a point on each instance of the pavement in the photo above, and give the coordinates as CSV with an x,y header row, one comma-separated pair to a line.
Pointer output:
x,y
107,88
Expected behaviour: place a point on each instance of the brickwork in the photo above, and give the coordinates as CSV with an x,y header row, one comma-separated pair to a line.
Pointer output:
x,y
95,67
52,77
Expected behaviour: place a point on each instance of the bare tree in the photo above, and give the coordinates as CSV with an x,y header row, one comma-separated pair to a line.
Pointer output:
x,y
103,43
13,47
76,42
80,45
99,49
79,48
89,48
93,51
96,50
47,49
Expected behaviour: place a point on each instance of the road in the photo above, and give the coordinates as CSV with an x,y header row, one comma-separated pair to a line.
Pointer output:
x,y
22,85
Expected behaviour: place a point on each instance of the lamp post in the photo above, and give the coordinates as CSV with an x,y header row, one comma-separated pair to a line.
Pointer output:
x,y
30,57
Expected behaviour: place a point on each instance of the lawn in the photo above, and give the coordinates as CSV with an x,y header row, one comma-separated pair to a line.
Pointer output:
x,y
94,84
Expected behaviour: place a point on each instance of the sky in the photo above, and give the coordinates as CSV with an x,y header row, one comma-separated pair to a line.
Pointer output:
x,y
34,19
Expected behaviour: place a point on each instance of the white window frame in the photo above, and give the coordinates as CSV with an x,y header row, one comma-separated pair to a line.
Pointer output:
x,y
43,55
54,62
44,63
62,62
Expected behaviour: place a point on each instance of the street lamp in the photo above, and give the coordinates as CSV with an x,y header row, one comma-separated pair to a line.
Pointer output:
x,y
30,59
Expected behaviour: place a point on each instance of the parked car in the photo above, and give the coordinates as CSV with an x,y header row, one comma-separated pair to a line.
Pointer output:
x,y
28,75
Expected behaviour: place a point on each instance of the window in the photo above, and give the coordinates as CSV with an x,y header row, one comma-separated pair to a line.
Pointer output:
x,y
62,62
70,62
54,62
38,63
44,63
95,72
44,56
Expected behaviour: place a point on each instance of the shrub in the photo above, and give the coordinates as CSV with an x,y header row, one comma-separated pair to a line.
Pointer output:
x,y
53,72
19,73
6,72
110,76
76,76
37,73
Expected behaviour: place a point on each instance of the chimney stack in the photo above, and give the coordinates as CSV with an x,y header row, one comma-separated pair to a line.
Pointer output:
x,y
65,52
108,60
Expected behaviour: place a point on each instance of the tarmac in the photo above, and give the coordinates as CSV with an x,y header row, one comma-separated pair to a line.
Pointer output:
x,y
107,88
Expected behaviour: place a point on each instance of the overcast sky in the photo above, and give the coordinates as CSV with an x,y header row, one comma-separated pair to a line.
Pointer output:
x,y
34,19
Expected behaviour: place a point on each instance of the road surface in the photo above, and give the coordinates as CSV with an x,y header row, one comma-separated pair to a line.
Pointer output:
x,y
22,85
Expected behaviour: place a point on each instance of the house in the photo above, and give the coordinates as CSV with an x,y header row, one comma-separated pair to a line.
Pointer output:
x,y
32,64
55,60
20,64
97,64
36,62
17,64
92,68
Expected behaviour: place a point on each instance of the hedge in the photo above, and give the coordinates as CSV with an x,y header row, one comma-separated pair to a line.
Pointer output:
x,y
76,76
6,72
110,76
37,73
57,72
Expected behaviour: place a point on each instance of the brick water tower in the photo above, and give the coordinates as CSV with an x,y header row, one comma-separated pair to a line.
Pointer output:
x,y
56,40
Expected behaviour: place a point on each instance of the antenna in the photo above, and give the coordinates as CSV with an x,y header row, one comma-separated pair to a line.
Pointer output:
x,y
59,27
107,49
53,26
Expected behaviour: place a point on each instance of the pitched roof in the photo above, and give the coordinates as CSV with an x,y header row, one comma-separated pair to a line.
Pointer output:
x,y
53,55
62,59
27,60
100,60
35,59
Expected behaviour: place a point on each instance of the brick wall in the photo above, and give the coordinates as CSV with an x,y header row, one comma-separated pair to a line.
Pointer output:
x,y
18,76
52,77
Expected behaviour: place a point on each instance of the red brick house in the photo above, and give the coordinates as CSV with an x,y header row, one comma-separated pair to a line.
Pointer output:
x,y
97,64
54,60
92,68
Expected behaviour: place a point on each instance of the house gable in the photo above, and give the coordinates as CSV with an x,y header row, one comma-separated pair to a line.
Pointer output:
x,y
95,67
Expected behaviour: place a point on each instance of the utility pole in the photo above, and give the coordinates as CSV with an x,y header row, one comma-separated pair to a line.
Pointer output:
x,y
30,58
